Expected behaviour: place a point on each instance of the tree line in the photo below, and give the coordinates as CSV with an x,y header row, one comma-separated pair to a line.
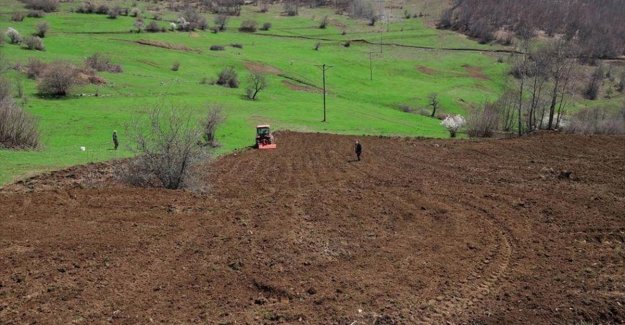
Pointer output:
x,y
595,26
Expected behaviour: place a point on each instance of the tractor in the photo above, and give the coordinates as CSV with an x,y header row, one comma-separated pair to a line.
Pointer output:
x,y
264,138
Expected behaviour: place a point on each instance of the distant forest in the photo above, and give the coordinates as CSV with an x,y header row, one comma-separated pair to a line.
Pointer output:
x,y
597,27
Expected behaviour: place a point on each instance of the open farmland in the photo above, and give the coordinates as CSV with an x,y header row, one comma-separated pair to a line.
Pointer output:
x,y
517,231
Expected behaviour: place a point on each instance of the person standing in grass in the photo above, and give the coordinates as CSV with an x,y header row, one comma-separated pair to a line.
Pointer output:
x,y
358,149
115,141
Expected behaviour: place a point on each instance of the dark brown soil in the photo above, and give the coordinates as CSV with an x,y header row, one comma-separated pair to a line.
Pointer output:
x,y
517,231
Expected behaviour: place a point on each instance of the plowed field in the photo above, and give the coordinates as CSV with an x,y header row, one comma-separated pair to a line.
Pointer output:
x,y
518,231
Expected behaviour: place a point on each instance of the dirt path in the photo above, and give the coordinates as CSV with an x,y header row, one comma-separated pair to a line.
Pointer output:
x,y
419,232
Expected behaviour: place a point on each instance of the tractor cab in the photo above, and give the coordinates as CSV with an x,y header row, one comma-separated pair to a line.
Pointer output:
x,y
264,138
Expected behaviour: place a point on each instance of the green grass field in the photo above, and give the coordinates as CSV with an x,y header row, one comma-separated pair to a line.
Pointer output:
x,y
356,104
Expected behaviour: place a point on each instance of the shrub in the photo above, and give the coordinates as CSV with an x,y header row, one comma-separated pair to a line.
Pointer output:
x,y
34,43
596,121
17,16
257,83
153,27
157,16
221,21
35,14
44,5
483,122
347,44
175,66
373,20
5,89
41,29
114,12
18,129
217,48
134,12
621,84
228,78
324,22
100,62
14,36
102,9
86,8
202,23
167,146
138,25
57,80
362,9
35,68
291,8
212,121
453,124
594,84
266,26
248,26
237,45
317,46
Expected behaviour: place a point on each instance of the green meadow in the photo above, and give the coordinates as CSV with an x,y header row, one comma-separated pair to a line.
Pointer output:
x,y
402,75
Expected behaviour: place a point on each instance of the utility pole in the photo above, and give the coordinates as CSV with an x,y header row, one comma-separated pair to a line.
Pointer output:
x,y
324,68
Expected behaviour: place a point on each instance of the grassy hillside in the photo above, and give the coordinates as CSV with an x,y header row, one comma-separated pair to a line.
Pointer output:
x,y
356,105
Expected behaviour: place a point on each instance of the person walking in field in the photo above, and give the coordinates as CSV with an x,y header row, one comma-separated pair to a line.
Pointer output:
x,y
358,149
115,141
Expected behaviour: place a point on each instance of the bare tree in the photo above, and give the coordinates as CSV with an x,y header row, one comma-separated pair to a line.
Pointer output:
x,y
167,145
221,21
257,82
434,103
212,121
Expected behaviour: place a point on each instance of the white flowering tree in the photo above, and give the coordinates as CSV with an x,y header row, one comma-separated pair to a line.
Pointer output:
x,y
453,124
13,35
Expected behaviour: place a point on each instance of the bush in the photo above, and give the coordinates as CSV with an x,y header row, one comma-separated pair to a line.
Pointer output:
x,y
324,22
202,23
248,26
228,78
34,43
217,48
483,122
114,12
362,9
266,26
100,62
212,121
134,12
18,129
44,5
17,16
167,146
5,89
237,45
57,80
35,14
594,84
291,8
153,27
41,29
35,68
621,84
102,9
596,121
221,21
14,36
86,8
257,83
453,124
175,66
317,46
138,25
